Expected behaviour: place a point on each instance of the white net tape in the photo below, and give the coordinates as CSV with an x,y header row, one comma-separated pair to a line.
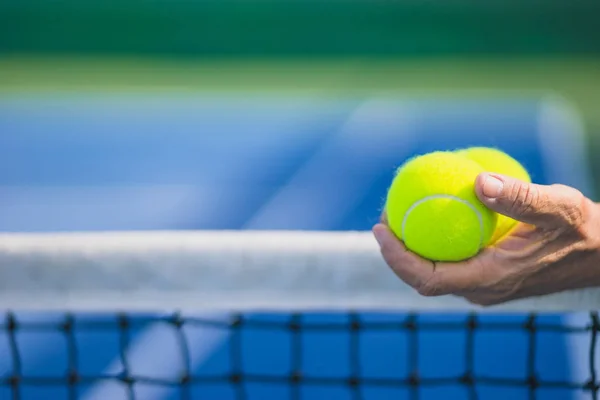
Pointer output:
x,y
219,270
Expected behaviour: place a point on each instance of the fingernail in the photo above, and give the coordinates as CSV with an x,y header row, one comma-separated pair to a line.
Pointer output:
x,y
492,187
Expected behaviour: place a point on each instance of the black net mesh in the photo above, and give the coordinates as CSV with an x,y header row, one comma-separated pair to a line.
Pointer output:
x,y
377,356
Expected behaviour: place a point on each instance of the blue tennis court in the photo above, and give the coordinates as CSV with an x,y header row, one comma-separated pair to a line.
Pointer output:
x,y
289,162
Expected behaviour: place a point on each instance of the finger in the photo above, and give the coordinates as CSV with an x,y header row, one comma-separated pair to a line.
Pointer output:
x,y
467,276
409,267
428,278
482,300
543,206
383,218
524,242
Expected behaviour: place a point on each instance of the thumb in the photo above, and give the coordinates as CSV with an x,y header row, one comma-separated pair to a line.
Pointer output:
x,y
549,207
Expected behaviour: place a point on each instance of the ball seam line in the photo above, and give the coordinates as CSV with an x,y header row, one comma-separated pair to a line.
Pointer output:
x,y
451,197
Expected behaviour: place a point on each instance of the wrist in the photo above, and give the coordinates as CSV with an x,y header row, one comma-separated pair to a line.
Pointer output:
x,y
592,223
592,235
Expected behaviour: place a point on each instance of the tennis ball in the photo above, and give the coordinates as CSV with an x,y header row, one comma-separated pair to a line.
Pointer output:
x,y
494,160
432,207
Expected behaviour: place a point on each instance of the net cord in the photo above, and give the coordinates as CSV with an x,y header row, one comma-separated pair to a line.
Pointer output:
x,y
222,270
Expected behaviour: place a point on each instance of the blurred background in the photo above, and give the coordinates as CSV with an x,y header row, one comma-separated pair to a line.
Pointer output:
x,y
273,114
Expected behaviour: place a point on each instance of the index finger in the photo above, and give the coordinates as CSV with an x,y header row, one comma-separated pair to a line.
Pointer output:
x,y
427,277
409,267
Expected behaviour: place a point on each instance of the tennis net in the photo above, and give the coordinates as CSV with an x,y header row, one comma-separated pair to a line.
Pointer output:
x,y
333,319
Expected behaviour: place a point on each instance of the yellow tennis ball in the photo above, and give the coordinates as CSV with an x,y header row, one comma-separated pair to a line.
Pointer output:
x,y
494,160
432,207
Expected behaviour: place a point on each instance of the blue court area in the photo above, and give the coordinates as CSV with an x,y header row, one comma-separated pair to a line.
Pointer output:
x,y
193,162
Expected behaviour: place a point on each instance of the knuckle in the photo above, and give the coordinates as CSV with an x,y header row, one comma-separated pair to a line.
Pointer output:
x,y
426,290
391,257
524,198
430,287
573,206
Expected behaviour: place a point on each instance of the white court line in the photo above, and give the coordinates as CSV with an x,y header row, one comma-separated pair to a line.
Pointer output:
x,y
328,186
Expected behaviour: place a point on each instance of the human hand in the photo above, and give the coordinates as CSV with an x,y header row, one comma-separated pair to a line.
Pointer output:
x,y
555,247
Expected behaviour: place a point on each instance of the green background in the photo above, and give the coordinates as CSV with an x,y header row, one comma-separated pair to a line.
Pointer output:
x,y
335,47
287,28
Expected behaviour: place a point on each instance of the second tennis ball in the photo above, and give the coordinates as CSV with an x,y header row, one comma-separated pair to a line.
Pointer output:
x,y
432,207
494,160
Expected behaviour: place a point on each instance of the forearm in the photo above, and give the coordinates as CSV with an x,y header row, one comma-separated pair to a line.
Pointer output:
x,y
594,239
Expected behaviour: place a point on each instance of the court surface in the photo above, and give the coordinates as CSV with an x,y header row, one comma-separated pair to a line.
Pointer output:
x,y
285,162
